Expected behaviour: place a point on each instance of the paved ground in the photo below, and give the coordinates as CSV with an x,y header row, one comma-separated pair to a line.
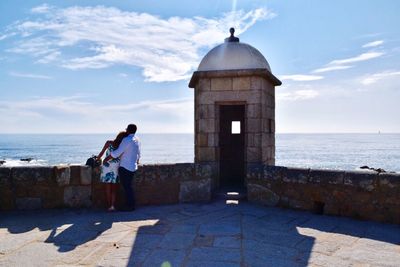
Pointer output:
x,y
194,235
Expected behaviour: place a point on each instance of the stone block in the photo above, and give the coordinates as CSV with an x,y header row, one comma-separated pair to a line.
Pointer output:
x,y
296,175
254,111
206,154
361,179
256,83
201,112
203,171
267,153
204,84
253,154
193,191
183,171
5,177
211,111
28,203
326,176
77,196
389,180
207,126
86,175
241,83
254,139
221,84
253,125
28,176
268,113
75,178
268,139
254,171
275,173
202,139
63,175
262,195
212,139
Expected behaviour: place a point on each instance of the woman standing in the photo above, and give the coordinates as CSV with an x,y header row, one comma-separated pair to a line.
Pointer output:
x,y
109,170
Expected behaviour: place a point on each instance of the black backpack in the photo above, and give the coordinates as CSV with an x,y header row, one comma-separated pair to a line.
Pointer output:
x,y
93,162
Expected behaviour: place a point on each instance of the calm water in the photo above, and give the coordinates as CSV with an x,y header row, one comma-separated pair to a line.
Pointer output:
x,y
333,151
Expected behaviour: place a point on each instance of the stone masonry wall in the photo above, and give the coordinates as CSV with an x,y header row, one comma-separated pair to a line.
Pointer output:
x,y
79,186
357,194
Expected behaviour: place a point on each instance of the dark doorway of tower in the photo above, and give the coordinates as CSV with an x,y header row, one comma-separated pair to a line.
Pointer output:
x,y
232,152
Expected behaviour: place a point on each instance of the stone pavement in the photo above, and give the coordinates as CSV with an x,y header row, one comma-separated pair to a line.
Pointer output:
x,y
214,234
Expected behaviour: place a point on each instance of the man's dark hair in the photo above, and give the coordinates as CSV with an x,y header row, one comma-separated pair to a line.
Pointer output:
x,y
131,129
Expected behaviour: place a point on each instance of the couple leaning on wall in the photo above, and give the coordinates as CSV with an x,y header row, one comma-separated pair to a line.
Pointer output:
x,y
119,166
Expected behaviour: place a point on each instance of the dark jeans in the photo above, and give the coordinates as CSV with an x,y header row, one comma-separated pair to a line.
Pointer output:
x,y
126,178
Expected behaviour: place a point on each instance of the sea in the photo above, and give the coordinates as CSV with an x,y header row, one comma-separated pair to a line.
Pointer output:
x,y
322,151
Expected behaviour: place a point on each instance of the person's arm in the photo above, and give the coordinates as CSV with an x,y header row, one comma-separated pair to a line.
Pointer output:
x,y
106,145
118,152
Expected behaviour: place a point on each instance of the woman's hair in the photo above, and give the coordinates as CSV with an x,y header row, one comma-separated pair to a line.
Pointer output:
x,y
117,141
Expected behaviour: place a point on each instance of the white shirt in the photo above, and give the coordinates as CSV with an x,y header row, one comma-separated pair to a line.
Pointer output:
x,y
129,152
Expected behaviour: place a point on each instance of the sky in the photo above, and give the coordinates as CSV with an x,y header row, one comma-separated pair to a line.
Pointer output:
x,y
93,66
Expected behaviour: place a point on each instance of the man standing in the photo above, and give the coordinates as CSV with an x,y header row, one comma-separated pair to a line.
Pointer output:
x,y
129,153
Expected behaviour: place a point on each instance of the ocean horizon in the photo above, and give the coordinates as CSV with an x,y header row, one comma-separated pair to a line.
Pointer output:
x,y
341,151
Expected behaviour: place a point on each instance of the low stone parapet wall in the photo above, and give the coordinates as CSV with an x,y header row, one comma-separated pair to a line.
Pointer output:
x,y
80,186
357,194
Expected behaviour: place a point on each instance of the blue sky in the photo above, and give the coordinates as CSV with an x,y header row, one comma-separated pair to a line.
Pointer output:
x,y
95,66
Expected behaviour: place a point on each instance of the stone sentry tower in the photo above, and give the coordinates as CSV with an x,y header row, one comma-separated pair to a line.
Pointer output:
x,y
234,111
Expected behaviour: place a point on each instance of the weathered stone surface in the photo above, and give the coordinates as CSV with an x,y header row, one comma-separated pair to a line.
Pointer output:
x,y
183,171
86,175
77,196
254,171
296,175
275,173
28,176
203,170
254,111
256,83
75,174
262,195
63,175
389,180
365,180
207,126
202,139
209,98
204,84
5,177
241,83
28,203
221,84
253,125
192,191
253,154
326,176
206,154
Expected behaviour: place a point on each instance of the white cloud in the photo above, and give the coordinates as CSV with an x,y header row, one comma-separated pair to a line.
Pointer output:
x,y
331,68
301,77
373,44
30,75
374,78
297,95
361,57
166,49
41,9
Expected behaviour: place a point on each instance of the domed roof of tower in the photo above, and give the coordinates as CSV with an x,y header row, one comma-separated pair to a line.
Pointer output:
x,y
233,55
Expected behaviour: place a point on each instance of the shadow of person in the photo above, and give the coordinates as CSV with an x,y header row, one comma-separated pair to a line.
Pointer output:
x,y
66,229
